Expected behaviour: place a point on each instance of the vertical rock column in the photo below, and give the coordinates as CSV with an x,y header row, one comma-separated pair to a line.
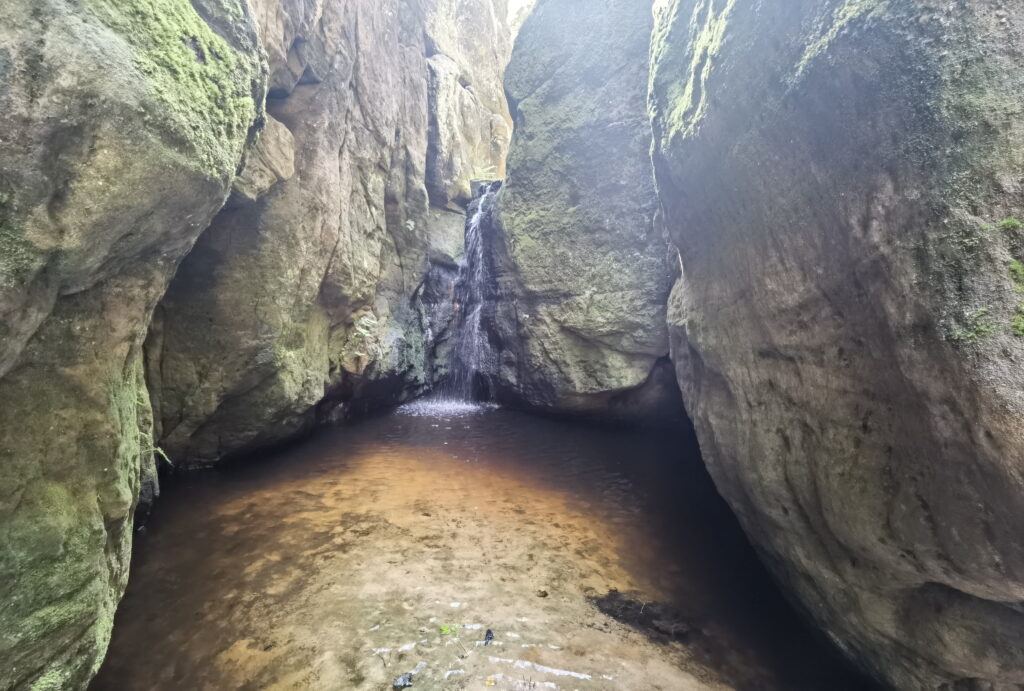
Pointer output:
x,y
587,277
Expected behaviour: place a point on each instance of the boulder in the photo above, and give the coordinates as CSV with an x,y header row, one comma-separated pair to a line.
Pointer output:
x,y
587,271
122,126
842,181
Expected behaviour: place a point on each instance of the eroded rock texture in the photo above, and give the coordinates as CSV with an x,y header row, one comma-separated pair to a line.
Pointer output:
x,y
841,180
122,125
304,286
468,44
587,267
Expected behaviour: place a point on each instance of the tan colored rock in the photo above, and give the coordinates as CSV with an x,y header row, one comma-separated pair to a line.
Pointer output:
x,y
840,179
271,160
120,133
308,291
469,43
588,263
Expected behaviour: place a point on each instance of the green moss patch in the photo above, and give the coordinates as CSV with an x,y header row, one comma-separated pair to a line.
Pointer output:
x,y
1010,225
1016,269
845,14
1017,321
686,97
975,326
18,256
204,87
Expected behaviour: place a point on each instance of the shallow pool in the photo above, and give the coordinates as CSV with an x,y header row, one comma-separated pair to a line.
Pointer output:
x,y
599,558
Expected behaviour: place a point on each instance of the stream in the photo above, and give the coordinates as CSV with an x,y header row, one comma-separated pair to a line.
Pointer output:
x,y
598,557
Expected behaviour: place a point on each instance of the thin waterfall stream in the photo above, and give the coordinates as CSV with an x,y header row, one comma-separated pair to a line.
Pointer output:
x,y
471,355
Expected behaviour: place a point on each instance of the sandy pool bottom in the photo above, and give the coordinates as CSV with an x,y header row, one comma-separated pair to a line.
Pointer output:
x,y
395,545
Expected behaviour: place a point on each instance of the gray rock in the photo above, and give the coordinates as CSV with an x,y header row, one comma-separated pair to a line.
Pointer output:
x,y
845,331
121,130
585,270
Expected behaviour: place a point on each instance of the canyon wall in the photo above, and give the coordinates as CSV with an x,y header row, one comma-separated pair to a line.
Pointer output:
x,y
586,271
122,126
836,187
379,114
843,180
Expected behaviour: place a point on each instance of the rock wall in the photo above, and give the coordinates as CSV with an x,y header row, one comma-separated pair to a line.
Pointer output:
x,y
302,287
587,269
122,126
468,46
126,129
842,180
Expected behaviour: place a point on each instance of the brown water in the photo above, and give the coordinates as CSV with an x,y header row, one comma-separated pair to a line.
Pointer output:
x,y
600,559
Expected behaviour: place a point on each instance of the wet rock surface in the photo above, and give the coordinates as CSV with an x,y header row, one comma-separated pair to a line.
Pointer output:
x,y
585,273
840,179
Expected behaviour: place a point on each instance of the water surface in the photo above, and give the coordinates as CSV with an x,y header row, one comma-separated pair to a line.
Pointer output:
x,y
600,558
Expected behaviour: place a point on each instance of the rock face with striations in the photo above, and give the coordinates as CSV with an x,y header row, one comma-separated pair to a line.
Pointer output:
x,y
302,288
122,126
587,268
842,180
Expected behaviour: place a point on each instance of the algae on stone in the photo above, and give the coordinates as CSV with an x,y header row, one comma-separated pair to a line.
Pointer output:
x,y
116,152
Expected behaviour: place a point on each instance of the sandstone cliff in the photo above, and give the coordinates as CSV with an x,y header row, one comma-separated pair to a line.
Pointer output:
x,y
301,288
122,126
842,181
588,266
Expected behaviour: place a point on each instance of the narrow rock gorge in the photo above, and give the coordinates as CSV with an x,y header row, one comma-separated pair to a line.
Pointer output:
x,y
787,232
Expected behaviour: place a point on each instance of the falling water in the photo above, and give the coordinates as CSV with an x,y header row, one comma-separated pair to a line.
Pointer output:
x,y
471,354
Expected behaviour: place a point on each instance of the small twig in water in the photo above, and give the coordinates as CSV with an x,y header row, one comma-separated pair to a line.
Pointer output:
x,y
463,648
383,660
642,607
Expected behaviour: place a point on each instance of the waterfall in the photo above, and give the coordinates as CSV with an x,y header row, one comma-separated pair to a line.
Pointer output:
x,y
471,357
